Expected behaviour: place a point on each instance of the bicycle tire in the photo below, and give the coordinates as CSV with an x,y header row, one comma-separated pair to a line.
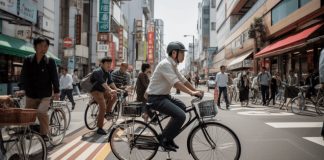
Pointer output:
x,y
67,112
149,141
92,111
320,106
203,128
57,127
32,143
116,112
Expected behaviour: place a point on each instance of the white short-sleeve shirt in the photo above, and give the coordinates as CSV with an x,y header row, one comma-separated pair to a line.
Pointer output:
x,y
164,77
221,79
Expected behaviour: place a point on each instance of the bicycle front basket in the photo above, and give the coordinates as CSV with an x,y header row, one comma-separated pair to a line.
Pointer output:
x,y
132,109
207,109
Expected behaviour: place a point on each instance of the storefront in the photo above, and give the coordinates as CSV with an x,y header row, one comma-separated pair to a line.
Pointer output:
x,y
242,63
12,53
298,52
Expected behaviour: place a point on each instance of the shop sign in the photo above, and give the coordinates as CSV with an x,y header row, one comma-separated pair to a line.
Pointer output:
x,y
247,63
104,16
9,6
102,47
121,45
150,44
78,29
23,32
112,51
27,9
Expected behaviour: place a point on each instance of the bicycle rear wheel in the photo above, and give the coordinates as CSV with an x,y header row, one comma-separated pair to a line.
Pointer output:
x,y
27,146
134,140
57,127
213,140
91,115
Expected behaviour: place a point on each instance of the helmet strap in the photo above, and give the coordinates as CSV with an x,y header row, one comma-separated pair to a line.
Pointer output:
x,y
177,56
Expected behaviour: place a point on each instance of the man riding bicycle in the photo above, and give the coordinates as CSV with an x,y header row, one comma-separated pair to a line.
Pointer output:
x,y
104,91
165,76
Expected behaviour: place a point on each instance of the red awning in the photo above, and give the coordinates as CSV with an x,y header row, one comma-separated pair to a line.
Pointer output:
x,y
292,40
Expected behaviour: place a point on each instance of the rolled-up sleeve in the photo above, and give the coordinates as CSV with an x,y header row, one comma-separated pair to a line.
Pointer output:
x,y
181,77
169,74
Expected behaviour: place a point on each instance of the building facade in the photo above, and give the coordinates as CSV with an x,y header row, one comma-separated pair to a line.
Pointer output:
x,y
20,22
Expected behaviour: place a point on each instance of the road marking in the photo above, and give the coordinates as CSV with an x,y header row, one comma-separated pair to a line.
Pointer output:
x,y
103,153
317,140
56,154
295,124
264,113
247,108
89,148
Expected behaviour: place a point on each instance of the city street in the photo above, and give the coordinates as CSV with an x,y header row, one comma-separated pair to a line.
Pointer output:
x,y
265,133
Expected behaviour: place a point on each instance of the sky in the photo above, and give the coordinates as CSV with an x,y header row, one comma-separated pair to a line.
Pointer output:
x,y
180,18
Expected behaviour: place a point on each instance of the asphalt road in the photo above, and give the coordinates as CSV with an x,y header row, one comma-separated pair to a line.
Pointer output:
x,y
265,133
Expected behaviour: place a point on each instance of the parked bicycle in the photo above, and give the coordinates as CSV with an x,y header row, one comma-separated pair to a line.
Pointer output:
x,y
92,111
134,139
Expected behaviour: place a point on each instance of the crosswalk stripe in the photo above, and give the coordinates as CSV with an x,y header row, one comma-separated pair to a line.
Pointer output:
x,y
77,148
103,153
61,151
87,149
317,140
295,124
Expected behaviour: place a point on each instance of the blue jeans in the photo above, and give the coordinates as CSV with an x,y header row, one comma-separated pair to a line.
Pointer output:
x,y
174,108
224,91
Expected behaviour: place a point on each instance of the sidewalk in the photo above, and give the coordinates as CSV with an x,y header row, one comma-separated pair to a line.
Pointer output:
x,y
81,97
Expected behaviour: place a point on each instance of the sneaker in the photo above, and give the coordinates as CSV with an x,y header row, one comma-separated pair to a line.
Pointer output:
x,y
101,131
73,105
165,144
227,106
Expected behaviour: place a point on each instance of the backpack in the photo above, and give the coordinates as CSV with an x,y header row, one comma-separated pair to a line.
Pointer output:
x,y
86,84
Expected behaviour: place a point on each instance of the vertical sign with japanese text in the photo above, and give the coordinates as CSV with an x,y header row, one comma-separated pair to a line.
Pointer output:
x,y
112,50
78,29
121,43
150,44
104,16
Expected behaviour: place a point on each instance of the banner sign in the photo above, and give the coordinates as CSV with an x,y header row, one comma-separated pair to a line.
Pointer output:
x,y
112,53
27,9
150,44
121,43
9,6
104,16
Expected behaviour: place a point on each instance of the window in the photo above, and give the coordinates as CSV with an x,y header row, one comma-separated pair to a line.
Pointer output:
x,y
213,26
220,18
213,3
285,8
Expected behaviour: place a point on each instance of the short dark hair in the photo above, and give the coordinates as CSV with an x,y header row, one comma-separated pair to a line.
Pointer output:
x,y
106,59
264,68
39,40
145,66
64,69
222,66
75,70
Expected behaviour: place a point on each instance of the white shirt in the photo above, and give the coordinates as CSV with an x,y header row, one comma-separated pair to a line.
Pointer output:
x,y
221,79
164,77
255,83
66,82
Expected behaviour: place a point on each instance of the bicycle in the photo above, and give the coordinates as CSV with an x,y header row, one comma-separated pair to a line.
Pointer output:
x,y
92,111
17,140
132,136
302,103
57,121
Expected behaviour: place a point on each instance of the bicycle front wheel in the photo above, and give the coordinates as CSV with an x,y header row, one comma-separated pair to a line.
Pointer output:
x,y
320,106
134,140
57,127
91,115
27,146
297,105
67,112
213,140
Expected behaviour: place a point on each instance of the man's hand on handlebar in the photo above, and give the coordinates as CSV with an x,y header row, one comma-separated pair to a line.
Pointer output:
x,y
56,96
197,94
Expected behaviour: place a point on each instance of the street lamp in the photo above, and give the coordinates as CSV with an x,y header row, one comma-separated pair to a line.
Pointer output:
x,y
193,49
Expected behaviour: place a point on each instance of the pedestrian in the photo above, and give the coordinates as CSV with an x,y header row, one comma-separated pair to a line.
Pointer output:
x,y
76,82
274,90
196,80
104,92
292,79
244,87
66,87
321,75
141,86
222,81
264,79
255,86
38,81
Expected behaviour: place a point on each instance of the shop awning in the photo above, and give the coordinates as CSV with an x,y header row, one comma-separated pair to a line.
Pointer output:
x,y
290,41
19,48
238,62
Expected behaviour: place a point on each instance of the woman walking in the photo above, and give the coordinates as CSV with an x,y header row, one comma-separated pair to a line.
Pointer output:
x,y
244,87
